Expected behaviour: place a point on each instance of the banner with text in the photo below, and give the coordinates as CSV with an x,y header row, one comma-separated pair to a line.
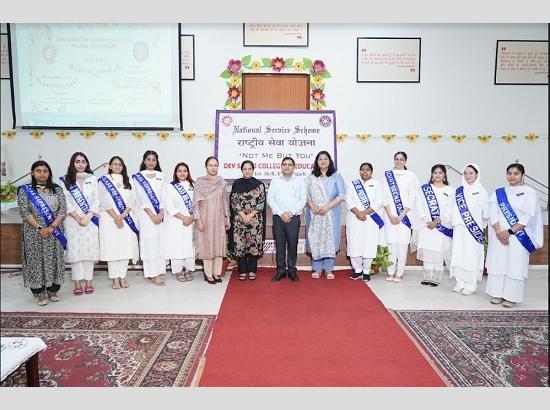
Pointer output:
x,y
266,137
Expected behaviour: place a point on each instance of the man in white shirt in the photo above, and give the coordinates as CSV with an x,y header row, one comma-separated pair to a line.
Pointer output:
x,y
287,197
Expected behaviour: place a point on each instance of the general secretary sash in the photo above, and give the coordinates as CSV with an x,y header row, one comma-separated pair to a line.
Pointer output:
x,y
80,200
119,202
394,190
364,198
467,218
512,219
433,207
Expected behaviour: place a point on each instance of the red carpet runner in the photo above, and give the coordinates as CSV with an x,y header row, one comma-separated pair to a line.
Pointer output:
x,y
310,333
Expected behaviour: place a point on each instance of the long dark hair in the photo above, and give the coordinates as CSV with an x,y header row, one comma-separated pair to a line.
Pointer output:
x,y
49,183
175,177
331,168
70,177
145,155
124,173
402,153
442,168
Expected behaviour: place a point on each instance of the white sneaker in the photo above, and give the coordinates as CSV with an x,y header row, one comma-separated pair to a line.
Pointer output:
x,y
467,292
457,289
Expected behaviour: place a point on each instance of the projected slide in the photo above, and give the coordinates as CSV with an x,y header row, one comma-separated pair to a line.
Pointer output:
x,y
96,75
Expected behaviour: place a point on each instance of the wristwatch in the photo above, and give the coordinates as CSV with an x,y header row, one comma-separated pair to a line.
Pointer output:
x,y
511,232
38,227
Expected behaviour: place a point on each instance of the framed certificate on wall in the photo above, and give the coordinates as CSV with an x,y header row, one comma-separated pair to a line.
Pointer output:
x,y
521,62
388,60
275,35
187,56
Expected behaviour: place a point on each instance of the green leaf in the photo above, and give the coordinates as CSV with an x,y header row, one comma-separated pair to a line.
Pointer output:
x,y
289,62
266,62
323,103
246,60
227,102
308,63
326,74
228,84
225,74
322,87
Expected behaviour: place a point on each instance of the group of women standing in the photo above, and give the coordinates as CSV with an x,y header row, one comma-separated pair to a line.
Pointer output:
x,y
116,219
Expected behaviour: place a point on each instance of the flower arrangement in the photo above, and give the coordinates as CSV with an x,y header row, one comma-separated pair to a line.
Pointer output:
x,y
412,137
210,136
138,135
233,74
531,137
87,134
363,137
508,138
188,136
9,134
341,137
388,137
36,134
484,138
111,135
62,134
458,138
434,137
8,192
163,135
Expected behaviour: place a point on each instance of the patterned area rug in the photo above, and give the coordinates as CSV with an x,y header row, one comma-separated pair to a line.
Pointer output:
x,y
95,349
483,348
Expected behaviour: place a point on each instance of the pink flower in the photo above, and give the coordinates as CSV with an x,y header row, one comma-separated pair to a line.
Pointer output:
x,y
234,66
234,93
318,67
278,63
317,95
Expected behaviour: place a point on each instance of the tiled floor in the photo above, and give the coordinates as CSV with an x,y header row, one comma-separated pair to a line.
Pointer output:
x,y
201,298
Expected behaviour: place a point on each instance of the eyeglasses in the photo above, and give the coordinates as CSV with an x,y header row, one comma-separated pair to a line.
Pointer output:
x,y
116,164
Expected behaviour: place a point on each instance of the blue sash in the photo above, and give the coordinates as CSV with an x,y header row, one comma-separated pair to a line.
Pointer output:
x,y
45,212
433,207
469,221
512,219
148,191
119,202
184,195
80,200
394,190
364,198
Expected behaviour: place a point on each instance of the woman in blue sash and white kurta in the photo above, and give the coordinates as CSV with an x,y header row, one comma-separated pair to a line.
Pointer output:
x,y
82,222
42,207
401,186
364,225
516,231
433,237
118,232
469,218
325,191
149,183
178,223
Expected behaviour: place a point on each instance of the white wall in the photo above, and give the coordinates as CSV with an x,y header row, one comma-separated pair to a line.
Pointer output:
x,y
456,95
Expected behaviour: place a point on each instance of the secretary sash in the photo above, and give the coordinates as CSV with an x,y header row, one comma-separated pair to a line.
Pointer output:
x,y
467,218
433,207
119,202
364,198
512,219
148,191
184,195
80,200
44,211
394,190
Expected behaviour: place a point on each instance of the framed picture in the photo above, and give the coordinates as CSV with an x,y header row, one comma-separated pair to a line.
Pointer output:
x,y
275,34
187,56
388,60
4,57
521,62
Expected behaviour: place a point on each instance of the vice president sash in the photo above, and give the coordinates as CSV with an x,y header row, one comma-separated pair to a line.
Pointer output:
x,y
467,218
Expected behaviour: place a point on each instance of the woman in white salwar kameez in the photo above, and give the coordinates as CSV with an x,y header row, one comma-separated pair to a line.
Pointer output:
x,y
432,236
118,241
81,224
364,200
397,233
150,213
178,223
468,253
507,258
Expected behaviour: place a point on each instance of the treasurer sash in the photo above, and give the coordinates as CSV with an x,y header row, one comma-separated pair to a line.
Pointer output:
x,y
512,219
364,198
467,218
433,207
80,200
148,191
119,202
44,211
394,190
184,195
